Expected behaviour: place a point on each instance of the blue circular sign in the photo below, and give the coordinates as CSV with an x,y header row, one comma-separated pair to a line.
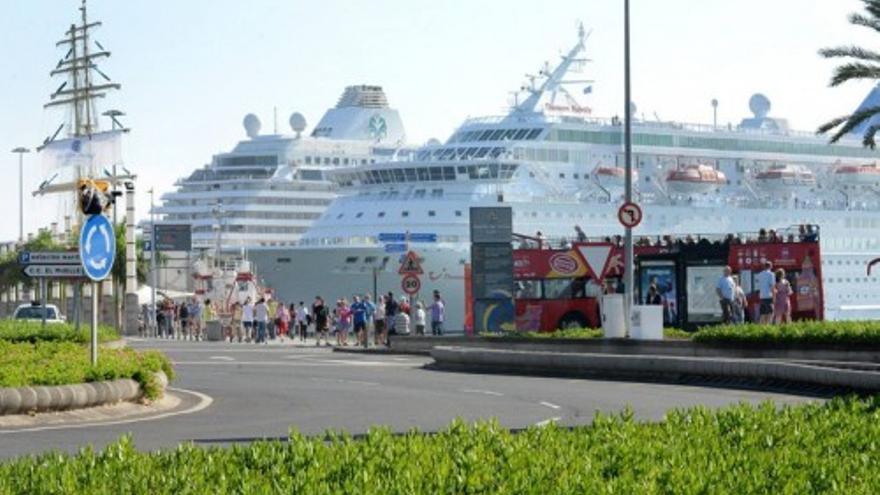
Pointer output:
x,y
97,247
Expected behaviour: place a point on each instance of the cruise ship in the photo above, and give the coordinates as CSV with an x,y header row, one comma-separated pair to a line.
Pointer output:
x,y
557,165
271,187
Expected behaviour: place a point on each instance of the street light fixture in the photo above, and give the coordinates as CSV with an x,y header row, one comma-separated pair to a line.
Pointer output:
x,y
21,151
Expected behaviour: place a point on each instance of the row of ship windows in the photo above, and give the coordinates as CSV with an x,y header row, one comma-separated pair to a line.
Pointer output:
x,y
857,280
403,214
423,174
495,135
259,215
450,154
729,144
326,160
257,200
249,229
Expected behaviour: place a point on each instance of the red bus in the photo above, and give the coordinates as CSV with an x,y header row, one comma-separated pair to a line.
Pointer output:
x,y
560,287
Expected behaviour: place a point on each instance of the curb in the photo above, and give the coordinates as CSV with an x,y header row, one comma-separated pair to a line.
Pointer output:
x,y
24,400
652,367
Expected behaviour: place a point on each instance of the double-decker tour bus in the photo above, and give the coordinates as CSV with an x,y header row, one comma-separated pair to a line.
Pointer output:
x,y
561,286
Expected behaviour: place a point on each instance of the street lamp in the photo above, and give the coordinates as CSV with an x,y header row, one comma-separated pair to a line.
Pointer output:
x,y
21,151
629,276
153,322
714,113
219,213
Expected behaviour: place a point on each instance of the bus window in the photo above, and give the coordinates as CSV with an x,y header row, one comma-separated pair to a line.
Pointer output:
x,y
557,288
528,289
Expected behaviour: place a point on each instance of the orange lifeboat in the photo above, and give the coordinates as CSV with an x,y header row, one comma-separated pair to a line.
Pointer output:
x,y
857,175
613,176
780,177
695,179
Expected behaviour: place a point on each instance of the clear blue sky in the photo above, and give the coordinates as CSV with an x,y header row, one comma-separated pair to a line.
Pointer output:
x,y
191,69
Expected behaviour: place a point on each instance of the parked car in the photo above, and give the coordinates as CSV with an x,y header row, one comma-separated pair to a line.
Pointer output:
x,y
34,312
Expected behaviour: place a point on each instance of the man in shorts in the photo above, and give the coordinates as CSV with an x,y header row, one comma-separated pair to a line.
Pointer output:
x,y
247,319
359,316
765,282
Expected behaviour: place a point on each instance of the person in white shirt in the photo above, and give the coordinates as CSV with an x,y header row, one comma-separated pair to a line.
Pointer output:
x,y
420,318
725,289
765,281
247,319
301,316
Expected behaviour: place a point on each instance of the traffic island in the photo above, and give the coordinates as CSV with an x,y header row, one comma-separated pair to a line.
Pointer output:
x,y
657,368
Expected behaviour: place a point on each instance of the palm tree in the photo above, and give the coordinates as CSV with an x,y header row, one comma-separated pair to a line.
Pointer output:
x,y
862,64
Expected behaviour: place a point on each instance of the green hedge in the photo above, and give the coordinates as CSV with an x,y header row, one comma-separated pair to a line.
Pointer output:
x,y
63,363
29,331
580,333
828,448
808,332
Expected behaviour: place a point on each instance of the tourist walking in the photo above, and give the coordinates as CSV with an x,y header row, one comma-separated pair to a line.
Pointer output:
x,y
183,318
343,322
438,314
282,320
766,282
379,323
236,325
359,319
726,289
371,315
247,319
781,299
391,309
321,316
302,321
272,307
420,318
261,318
739,303
195,318
401,323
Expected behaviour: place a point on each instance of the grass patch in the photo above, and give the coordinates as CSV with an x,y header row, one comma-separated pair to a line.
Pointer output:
x,y
64,363
29,331
815,448
806,332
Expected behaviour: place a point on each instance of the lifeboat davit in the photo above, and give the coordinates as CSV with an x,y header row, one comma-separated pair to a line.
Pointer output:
x,y
613,176
695,179
785,178
857,175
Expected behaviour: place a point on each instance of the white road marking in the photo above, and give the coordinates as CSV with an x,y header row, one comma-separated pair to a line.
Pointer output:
x,y
298,363
349,382
484,392
550,405
223,358
547,421
204,402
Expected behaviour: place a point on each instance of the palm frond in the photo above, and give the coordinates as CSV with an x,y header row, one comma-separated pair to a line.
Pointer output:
x,y
873,7
831,124
851,52
854,70
852,121
868,139
861,20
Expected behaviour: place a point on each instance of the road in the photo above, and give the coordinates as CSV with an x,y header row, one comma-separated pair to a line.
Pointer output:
x,y
261,392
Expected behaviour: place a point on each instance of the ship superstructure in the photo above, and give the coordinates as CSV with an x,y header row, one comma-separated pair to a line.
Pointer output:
x,y
556,165
268,189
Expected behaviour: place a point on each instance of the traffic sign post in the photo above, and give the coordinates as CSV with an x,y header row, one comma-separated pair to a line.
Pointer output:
x,y
629,215
97,249
411,284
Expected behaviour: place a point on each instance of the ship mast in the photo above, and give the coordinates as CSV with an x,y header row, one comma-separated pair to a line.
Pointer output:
x,y
79,68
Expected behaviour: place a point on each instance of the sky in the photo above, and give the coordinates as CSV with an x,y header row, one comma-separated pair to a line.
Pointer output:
x,y
190,70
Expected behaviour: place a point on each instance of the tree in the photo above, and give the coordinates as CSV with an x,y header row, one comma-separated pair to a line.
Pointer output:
x,y
119,267
862,64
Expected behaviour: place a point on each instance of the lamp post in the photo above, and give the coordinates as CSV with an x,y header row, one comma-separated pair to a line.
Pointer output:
x,y
21,151
153,309
714,113
219,214
629,275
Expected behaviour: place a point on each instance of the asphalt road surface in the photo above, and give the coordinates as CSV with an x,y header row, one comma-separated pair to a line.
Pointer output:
x,y
262,391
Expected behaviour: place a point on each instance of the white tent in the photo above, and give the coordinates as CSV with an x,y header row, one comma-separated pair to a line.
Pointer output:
x,y
144,294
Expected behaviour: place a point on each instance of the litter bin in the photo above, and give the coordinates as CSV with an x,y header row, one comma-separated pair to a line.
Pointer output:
x,y
613,322
647,322
214,330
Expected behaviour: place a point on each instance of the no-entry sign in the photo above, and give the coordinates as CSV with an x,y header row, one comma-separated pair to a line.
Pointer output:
x,y
629,215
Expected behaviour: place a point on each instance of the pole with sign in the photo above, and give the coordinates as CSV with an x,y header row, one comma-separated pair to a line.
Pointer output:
x,y
97,249
629,275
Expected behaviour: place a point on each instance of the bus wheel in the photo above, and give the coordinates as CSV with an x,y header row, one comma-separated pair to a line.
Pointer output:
x,y
572,320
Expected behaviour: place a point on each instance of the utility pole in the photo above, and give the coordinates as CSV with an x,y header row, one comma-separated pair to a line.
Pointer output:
x,y
629,275
153,309
21,151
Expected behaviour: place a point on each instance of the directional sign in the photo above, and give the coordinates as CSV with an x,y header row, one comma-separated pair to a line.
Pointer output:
x,y
410,265
97,247
407,237
629,215
423,237
410,284
54,271
395,248
392,237
48,258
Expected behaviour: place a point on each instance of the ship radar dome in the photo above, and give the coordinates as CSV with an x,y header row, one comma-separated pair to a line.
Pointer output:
x,y
252,125
297,123
759,105
433,142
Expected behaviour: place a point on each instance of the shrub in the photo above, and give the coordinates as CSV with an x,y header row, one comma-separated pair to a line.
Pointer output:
x,y
810,332
816,448
63,363
30,331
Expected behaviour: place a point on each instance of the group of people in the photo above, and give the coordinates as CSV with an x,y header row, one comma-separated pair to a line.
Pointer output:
x,y
774,292
270,319
181,320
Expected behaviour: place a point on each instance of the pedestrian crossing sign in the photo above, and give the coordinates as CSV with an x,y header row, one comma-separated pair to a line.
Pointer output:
x,y
411,265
